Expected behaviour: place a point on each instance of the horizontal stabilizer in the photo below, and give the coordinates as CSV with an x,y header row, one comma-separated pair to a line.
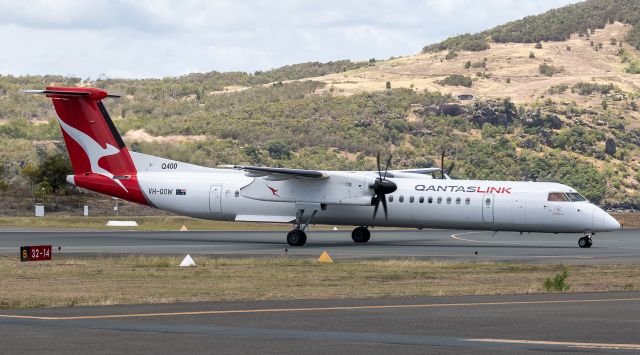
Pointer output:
x,y
62,93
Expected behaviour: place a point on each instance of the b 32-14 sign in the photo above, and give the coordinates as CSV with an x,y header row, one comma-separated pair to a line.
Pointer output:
x,y
35,253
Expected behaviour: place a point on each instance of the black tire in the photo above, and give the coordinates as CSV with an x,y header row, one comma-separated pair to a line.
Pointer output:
x,y
590,243
360,235
296,238
584,242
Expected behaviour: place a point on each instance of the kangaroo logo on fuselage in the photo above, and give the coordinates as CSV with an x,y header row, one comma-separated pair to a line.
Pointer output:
x,y
94,151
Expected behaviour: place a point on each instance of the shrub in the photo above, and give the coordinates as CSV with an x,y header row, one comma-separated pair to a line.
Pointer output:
x,y
583,88
558,89
538,45
388,85
450,55
467,65
532,55
508,81
558,283
278,149
548,70
456,80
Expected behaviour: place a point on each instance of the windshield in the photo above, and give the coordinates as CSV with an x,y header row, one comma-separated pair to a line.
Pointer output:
x,y
574,197
565,196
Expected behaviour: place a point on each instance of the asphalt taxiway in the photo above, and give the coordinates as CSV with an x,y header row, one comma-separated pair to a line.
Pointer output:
x,y
614,247
595,323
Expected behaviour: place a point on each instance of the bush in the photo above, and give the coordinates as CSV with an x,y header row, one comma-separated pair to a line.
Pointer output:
x,y
558,89
450,55
456,80
583,88
467,64
532,55
278,149
538,45
548,70
558,283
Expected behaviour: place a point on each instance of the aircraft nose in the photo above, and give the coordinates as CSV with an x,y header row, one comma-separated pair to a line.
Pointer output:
x,y
602,221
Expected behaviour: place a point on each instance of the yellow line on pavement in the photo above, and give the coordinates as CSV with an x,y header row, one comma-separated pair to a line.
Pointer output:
x,y
318,309
562,343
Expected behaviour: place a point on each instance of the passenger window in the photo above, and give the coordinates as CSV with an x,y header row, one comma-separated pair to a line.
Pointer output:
x,y
458,200
411,199
448,200
237,194
487,202
557,196
430,199
391,198
439,200
467,201
421,199
401,198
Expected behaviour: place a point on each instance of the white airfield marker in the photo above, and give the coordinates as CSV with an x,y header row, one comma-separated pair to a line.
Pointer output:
x,y
187,262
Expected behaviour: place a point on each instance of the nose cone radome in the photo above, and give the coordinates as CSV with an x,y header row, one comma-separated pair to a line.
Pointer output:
x,y
610,223
603,222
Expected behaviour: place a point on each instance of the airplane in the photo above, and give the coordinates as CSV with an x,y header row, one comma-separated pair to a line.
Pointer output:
x,y
411,198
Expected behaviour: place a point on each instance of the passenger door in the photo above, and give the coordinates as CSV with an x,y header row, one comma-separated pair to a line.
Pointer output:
x,y
215,198
487,208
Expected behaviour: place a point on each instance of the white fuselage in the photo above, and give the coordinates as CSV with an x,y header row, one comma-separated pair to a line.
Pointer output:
x,y
418,202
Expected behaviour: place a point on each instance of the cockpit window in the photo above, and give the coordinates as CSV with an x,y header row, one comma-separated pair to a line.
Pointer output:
x,y
565,197
557,196
575,197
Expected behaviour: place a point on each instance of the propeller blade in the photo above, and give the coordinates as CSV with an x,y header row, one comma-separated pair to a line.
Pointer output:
x,y
387,167
384,206
442,165
375,209
451,166
378,164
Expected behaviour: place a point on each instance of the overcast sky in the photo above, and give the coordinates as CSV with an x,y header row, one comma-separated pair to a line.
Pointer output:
x,y
158,38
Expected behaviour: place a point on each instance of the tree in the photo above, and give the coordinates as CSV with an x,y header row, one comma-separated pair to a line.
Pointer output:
x,y
388,85
54,169
31,172
278,149
610,146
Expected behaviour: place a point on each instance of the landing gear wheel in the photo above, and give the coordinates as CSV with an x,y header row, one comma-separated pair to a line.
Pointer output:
x,y
361,235
296,238
585,242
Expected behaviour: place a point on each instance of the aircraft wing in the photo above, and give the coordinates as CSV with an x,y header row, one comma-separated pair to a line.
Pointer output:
x,y
278,174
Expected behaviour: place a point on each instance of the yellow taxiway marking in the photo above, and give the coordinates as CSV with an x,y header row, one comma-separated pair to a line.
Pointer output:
x,y
317,309
563,343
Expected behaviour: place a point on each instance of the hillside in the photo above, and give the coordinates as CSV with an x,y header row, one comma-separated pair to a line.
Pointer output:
x,y
566,111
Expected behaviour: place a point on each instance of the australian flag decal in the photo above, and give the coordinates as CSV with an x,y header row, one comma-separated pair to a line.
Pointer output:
x,y
181,192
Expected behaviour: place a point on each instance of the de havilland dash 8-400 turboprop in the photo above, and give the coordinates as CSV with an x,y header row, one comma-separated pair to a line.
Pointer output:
x,y
414,198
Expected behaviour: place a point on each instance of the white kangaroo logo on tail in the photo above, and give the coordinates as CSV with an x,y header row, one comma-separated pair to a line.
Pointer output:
x,y
93,150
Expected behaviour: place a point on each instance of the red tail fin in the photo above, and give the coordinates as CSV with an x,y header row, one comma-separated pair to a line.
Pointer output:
x,y
99,157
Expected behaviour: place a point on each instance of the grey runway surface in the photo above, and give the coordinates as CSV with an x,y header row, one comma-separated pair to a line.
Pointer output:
x,y
559,323
615,247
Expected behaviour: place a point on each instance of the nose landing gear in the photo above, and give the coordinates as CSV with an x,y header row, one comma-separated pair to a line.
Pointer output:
x,y
585,242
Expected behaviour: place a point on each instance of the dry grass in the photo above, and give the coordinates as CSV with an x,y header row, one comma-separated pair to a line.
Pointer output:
x,y
156,279
145,223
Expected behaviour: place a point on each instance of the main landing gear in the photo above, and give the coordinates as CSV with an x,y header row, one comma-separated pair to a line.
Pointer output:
x,y
297,237
360,234
586,241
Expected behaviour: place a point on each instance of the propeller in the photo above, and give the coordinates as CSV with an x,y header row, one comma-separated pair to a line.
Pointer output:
x,y
442,169
381,187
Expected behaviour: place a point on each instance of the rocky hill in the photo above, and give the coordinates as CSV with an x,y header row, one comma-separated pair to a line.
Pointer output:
x,y
564,110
